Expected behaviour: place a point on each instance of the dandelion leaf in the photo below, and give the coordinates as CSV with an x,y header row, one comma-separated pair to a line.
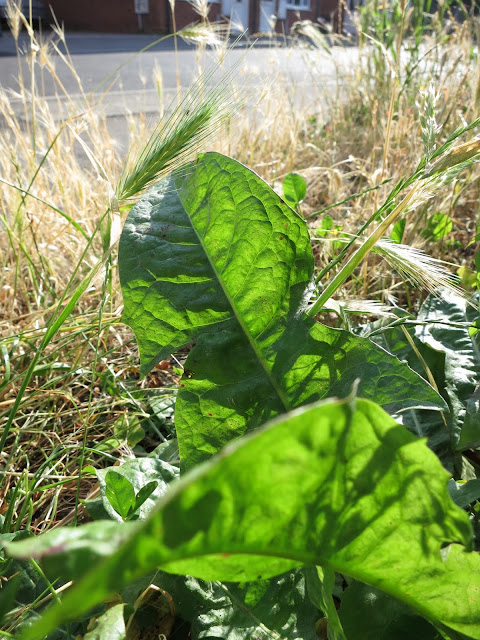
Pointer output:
x,y
212,256
338,484
446,329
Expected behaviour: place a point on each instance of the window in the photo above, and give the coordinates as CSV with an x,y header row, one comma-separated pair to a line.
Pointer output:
x,y
299,5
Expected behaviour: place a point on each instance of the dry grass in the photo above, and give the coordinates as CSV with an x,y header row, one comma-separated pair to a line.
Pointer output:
x,y
53,210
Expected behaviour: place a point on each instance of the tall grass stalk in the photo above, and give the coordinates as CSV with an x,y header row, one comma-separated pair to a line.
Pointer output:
x,y
349,267
445,169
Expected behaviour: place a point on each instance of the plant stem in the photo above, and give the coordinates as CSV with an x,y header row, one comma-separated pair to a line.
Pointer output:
x,y
348,199
175,47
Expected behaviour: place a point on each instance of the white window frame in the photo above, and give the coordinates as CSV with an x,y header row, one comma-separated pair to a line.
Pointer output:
x,y
303,6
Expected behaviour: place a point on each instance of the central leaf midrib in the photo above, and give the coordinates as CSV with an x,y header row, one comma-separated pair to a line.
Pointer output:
x,y
236,314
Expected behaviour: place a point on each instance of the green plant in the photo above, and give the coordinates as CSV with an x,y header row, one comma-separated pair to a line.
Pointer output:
x,y
82,402
212,256
294,190
281,499
122,497
439,226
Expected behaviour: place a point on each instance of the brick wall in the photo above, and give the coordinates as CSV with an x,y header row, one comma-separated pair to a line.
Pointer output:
x,y
185,14
96,15
118,16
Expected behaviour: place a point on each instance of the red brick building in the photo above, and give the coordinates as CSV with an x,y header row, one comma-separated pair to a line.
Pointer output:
x,y
154,16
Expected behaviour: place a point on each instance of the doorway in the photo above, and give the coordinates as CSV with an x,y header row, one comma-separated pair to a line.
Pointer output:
x,y
267,16
237,11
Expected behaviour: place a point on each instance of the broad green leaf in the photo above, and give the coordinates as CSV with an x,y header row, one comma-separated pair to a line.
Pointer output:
x,y
275,608
423,423
439,226
227,392
398,231
109,626
213,256
144,493
120,493
139,473
444,342
207,249
369,614
464,494
330,484
462,363
294,189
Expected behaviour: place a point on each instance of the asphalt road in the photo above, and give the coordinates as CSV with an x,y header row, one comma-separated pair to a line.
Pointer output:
x,y
110,69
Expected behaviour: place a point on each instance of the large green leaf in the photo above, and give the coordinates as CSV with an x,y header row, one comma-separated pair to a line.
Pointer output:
x,y
210,247
424,423
275,608
212,256
462,361
261,610
329,484
443,340
369,614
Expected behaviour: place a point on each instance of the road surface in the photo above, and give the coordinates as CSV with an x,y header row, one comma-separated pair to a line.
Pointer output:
x,y
121,80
